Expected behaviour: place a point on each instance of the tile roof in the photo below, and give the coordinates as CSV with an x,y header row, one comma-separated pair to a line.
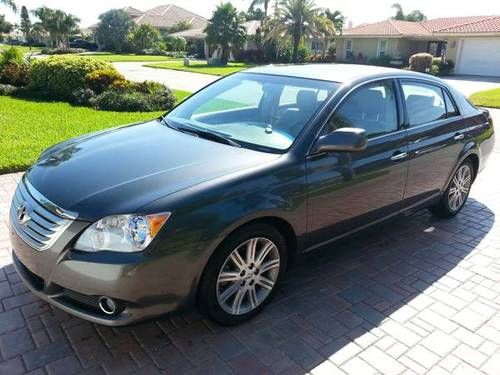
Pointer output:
x,y
466,25
485,24
164,16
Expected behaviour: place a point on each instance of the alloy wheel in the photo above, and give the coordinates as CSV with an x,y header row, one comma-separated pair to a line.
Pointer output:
x,y
248,276
460,187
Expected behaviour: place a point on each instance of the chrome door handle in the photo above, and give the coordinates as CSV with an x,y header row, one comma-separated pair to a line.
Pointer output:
x,y
400,156
459,136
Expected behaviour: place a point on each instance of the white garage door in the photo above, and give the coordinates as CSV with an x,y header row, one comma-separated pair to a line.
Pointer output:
x,y
480,56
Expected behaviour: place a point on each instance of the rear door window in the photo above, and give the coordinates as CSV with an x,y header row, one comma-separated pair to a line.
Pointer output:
x,y
424,102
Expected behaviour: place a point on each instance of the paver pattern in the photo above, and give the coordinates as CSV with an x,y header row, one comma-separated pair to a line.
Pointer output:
x,y
412,295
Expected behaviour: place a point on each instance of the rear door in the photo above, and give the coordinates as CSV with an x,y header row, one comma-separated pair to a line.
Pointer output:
x,y
348,190
435,138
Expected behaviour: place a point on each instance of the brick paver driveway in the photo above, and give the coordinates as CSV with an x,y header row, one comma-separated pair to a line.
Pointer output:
x,y
413,295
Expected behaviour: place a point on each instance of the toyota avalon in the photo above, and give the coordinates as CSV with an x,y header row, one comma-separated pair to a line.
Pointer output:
x,y
210,203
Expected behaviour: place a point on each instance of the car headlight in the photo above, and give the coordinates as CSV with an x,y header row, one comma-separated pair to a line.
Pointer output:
x,y
123,233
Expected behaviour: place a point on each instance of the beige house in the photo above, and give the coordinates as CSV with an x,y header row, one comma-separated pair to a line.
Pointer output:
x,y
472,43
199,34
163,17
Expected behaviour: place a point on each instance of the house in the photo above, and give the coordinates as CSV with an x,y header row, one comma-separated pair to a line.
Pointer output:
x,y
252,27
200,35
163,17
472,43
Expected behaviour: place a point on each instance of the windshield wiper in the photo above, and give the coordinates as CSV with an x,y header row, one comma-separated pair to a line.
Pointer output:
x,y
202,133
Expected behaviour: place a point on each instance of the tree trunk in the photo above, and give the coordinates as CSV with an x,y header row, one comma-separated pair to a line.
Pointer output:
x,y
325,47
225,55
296,43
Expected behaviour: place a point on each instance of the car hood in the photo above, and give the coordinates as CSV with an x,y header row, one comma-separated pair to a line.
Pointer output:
x,y
121,170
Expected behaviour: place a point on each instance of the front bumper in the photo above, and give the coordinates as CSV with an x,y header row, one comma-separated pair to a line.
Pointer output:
x,y
73,281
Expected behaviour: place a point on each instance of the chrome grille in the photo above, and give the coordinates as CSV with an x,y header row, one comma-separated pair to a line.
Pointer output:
x,y
33,221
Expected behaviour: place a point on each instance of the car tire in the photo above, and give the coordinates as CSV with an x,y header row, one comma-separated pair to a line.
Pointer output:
x,y
455,196
238,282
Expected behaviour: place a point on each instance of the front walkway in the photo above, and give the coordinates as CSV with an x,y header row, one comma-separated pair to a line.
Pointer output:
x,y
174,79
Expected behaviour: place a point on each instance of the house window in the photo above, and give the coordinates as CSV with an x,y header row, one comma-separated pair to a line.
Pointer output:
x,y
348,49
382,48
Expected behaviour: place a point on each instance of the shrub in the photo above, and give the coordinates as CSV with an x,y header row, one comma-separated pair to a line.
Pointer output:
x,y
62,51
303,54
442,67
7,90
16,74
83,97
100,80
11,55
421,62
135,97
60,76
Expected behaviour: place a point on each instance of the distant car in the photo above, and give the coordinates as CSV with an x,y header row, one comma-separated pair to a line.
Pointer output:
x,y
211,202
83,44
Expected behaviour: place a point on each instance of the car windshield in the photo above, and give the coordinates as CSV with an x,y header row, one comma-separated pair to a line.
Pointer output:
x,y
254,110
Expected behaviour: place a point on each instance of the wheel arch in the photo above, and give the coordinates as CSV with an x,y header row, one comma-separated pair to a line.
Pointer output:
x,y
282,225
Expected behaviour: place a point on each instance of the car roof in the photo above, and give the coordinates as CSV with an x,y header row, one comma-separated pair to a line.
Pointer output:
x,y
341,73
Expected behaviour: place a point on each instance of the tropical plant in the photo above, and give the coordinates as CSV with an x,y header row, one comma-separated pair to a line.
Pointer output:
x,y
175,43
414,16
257,3
295,19
5,27
113,29
337,18
144,37
10,3
225,30
253,14
58,24
26,24
179,26
325,28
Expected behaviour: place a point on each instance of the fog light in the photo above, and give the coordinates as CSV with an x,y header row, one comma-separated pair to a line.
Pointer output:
x,y
107,305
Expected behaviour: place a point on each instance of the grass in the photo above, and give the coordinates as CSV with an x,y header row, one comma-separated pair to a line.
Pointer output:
x,y
29,127
112,57
488,98
201,67
180,95
23,49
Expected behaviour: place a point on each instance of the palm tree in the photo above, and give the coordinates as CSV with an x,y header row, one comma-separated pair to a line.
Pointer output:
x,y
337,18
415,16
225,30
295,19
10,3
256,3
57,24
326,30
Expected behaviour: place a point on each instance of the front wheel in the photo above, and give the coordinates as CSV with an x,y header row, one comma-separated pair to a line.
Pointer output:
x,y
242,276
455,196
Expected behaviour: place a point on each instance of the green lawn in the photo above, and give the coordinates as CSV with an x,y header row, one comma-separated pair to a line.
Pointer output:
x,y
201,67
24,49
112,57
29,127
488,98
180,95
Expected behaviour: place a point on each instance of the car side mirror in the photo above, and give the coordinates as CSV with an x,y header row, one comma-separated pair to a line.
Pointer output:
x,y
343,139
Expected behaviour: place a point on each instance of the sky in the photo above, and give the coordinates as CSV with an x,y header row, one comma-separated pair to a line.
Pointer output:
x,y
357,11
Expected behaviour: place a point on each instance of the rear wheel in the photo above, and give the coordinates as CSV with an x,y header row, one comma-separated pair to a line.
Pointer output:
x,y
242,276
455,196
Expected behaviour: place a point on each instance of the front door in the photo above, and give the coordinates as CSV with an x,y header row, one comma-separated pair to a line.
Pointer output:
x,y
349,190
